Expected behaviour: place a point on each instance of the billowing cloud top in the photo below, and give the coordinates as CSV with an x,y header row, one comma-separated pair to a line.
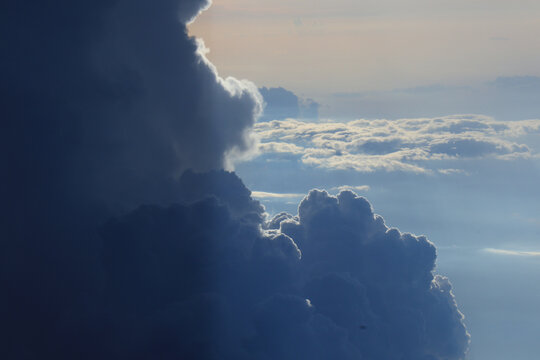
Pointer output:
x,y
374,281
104,105
116,97
208,279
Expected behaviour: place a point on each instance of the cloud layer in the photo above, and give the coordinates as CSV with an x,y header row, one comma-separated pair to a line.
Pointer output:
x,y
413,145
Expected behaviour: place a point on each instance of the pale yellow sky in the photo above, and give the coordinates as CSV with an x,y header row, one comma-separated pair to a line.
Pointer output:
x,y
316,47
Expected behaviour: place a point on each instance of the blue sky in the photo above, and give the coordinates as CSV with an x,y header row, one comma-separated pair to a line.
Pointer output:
x,y
430,110
321,47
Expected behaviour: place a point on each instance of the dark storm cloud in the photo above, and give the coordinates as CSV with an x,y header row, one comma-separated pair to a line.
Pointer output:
x,y
178,282
110,249
203,280
116,97
104,104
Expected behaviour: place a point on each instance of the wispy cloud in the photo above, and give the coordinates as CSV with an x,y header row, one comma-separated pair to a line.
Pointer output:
x,y
511,252
264,194
452,171
397,145
350,187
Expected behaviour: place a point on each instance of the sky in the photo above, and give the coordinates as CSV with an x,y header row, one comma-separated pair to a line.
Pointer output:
x,y
385,58
352,46
160,202
429,109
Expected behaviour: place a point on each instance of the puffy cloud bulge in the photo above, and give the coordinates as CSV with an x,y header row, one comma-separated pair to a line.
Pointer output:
x,y
111,248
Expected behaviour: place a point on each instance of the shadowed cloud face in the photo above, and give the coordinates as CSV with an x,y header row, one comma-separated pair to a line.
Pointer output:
x,y
104,105
112,249
354,264
202,279
117,98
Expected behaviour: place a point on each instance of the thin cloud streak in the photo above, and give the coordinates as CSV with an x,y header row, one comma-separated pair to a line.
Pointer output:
x,y
511,252
264,194
349,187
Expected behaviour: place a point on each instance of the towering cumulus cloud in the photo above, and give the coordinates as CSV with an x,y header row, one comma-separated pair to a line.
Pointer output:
x,y
116,244
115,97
373,281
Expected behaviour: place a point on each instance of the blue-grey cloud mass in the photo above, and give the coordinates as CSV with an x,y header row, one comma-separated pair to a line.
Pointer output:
x,y
119,92
123,237
280,103
209,279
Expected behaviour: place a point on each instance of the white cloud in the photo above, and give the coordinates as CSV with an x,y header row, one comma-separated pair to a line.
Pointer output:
x,y
280,147
349,187
511,252
264,194
397,145
452,171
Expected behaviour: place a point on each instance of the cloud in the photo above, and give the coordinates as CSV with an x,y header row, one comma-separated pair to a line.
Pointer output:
x,y
373,281
281,103
263,194
121,100
280,147
511,252
452,171
352,188
111,248
105,104
183,281
413,145
206,278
